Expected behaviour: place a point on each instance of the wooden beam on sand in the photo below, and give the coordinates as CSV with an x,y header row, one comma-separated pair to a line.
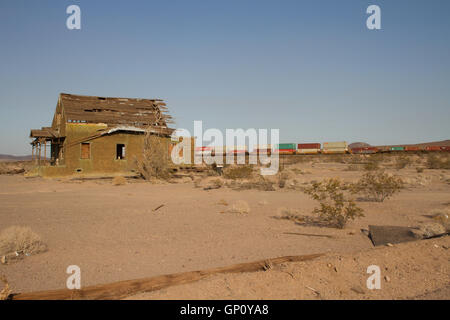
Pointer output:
x,y
123,289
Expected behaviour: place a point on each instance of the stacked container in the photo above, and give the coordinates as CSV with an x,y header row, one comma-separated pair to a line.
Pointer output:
x,y
335,147
308,148
397,148
286,148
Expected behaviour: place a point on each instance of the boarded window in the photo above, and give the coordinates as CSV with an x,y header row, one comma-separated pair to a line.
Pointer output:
x,y
85,151
120,151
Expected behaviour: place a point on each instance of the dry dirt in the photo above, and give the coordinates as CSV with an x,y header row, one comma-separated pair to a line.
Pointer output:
x,y
112,233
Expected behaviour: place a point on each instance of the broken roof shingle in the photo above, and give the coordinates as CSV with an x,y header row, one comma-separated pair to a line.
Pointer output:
x,y
115,111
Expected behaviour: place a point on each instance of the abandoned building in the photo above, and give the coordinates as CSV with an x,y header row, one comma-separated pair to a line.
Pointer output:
x,y
98,135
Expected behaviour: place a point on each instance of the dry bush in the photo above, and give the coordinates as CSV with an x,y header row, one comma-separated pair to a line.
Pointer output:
x,y
402,162
260,183
436,162
378,186
155,158
371,166
419,169
240,207
431,229
336,208
238,172
6,291
288,214
442,216
16,241
119,181
222,202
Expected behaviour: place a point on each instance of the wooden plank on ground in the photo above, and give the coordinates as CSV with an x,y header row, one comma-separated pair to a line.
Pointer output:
x,y
123,289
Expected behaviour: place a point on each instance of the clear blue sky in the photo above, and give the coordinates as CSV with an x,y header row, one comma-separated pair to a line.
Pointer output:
x,y
310,68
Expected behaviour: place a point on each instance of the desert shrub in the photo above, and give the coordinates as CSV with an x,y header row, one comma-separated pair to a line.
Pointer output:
x,y
238,172
436,162
240,207
154,163
419,170
336,208
371,166
119,181
402,162
16,240
378,186
6,291
287,214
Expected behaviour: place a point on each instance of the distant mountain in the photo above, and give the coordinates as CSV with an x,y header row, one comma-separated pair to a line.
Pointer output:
x,y
358,145
8,157
443,143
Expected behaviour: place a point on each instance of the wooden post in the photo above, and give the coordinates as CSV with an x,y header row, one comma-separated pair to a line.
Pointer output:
x,y
39,159
32,152
45,149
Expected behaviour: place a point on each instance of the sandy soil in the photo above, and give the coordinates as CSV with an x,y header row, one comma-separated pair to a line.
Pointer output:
x,y
112,234
414,270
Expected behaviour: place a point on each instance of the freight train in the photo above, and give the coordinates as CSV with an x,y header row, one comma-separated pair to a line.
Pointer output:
x,y
315,148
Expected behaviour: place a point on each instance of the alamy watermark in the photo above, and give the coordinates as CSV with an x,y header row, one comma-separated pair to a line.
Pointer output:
x,y
233,149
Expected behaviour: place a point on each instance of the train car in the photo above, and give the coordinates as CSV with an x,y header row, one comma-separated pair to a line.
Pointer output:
x,y
411,148
433,148
262,149
397,148
364,150
237,150
308,148
286,148
335,147
445,148
199,151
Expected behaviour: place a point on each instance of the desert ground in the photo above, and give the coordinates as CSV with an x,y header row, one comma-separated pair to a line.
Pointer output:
x,y
113,232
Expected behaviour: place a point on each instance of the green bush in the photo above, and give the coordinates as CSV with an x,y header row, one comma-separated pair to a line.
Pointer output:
x,y
378,186
336,209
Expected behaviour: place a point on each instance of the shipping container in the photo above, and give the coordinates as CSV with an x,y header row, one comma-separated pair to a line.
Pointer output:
x,y
446,148
433,148
203,150
285,151
397,148
308,146
286,146
237,149
267,151
308,151
335,147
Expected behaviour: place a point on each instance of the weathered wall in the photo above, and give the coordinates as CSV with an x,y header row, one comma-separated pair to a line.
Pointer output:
x,y
102,152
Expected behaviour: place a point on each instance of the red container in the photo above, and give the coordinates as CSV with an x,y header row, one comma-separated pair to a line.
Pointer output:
x,y
433,148
409,148
447,148
308,146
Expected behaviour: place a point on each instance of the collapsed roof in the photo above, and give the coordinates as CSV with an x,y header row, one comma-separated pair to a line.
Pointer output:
x,y
114,112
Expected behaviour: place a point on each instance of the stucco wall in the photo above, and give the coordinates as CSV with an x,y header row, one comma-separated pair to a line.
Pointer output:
x,y
102,152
